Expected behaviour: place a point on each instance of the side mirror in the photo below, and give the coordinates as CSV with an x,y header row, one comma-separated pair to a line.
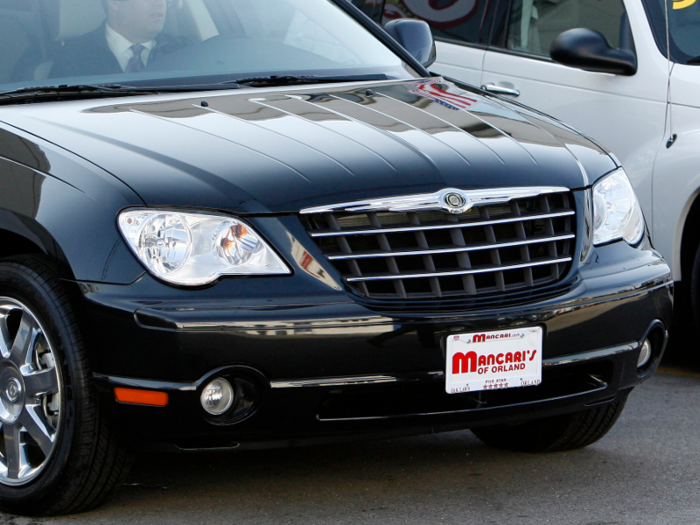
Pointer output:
x,y
415,37
588,50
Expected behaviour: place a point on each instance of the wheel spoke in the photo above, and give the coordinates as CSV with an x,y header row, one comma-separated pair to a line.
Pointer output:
x,y
5,339
12,452
31,392
33,421
23,344
41,382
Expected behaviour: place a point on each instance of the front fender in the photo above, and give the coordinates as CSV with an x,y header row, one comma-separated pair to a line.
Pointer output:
x,y
66,207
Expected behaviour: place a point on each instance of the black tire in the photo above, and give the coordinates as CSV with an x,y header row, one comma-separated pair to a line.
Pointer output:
x,y
556,433
695,291
82,462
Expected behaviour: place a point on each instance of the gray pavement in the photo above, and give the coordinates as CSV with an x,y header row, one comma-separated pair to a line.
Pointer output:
x,y
645,471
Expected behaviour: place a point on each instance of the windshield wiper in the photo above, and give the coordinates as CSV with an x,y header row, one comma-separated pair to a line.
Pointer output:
x,y
291,80
67,91
694,60
78,91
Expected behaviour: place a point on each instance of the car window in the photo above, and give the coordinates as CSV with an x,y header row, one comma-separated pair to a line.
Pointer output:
x,y
18,33
124,41
455,20
533,24
683,28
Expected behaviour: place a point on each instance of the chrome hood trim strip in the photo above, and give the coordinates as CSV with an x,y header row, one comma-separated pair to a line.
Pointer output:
x,y
450,200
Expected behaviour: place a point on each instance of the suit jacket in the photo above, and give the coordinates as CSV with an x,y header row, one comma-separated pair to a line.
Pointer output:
x,y
90,54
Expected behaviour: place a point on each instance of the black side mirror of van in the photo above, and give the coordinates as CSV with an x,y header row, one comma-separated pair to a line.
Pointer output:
x,y
415,37
588,50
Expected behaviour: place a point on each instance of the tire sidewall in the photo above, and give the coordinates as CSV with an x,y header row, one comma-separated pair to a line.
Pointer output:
x,y
695,291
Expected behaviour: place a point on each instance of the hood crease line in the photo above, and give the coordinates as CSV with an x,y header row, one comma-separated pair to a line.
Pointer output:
x,y
386,133
303,145
170,121
386,161
412,127
453,126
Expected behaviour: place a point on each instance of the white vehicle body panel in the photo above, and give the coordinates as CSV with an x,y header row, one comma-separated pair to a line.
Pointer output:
x,y
461,62
677,169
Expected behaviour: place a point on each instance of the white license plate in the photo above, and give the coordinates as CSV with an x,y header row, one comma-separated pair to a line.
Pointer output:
x,y
492,360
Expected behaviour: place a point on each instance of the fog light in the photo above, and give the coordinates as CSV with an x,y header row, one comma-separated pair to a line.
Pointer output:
x,y
217,396
644,354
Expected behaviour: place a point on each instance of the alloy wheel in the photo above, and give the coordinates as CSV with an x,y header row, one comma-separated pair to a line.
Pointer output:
x,y
30,395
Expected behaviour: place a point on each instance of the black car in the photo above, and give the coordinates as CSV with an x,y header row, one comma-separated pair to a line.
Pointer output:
x,y
262,223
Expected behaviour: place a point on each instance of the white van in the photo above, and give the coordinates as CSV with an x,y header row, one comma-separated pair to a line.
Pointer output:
x,y
621,85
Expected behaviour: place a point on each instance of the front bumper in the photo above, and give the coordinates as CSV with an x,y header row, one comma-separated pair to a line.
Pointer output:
x,y
332,369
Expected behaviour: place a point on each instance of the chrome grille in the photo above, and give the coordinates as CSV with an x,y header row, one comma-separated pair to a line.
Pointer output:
x,y
491,250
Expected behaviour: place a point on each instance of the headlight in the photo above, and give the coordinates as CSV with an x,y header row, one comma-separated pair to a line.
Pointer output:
x,y
193,249
616,210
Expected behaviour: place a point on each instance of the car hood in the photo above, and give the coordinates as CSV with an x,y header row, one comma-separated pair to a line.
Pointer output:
x,y
284,149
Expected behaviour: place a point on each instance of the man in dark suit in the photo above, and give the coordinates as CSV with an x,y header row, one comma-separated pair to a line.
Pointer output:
x,y
130,38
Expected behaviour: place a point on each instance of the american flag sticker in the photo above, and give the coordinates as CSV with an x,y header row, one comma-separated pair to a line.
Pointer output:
x,y
434,92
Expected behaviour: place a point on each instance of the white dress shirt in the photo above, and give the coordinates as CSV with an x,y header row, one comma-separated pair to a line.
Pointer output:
x,y
121,47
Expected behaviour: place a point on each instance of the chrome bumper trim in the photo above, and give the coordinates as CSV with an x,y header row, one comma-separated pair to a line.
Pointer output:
x,y
437,375
590,356
356,380
363,379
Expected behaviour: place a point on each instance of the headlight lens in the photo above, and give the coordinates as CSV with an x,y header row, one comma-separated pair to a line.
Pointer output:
x,y
616,210
194,249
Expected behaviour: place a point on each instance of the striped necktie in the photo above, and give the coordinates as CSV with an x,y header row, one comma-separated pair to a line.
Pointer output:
x,y
135,63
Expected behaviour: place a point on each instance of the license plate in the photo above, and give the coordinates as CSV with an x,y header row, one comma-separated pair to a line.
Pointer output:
x,y
493,360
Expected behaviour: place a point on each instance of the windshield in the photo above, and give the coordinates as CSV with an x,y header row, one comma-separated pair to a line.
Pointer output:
x,y
684,28
183,42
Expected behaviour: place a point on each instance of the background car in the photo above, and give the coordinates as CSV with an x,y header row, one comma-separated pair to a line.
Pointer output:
x,y
612,77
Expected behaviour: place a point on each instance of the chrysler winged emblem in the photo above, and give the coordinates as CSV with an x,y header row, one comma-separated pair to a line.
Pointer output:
x,y
454,200
450,200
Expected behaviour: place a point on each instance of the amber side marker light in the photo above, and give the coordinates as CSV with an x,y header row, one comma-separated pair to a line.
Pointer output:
x,y
141,397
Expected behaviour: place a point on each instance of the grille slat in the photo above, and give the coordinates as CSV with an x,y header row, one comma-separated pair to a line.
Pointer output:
x,y
448,273
439,227
403,253
490,253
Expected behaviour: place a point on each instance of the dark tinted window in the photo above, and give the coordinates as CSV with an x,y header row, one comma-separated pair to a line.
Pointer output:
x,y
533,24
684,28
461,20
18,36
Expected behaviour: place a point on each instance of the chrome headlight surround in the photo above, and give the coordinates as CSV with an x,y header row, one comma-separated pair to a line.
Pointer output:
x,y
616,211
195,249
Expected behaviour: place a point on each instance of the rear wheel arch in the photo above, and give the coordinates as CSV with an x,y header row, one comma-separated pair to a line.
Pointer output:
x,y
685,312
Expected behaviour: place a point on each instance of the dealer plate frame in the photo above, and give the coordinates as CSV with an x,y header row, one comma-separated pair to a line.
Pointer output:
x,y
493,360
